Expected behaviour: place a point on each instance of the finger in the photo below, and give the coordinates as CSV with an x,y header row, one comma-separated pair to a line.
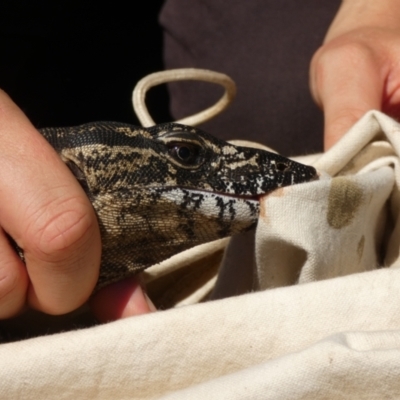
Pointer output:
x,y
346,81
120,300
13,280
49,216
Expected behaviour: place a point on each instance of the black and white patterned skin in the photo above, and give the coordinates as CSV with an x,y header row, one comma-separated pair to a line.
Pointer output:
x,y
161,190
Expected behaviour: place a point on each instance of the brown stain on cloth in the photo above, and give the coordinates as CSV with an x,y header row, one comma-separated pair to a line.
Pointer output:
x,y
280,192
345,197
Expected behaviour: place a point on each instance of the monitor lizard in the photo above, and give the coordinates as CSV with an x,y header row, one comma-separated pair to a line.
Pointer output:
x,y
158,191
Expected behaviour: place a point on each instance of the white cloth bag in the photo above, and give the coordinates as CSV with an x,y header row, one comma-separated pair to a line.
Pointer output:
x,y
324,323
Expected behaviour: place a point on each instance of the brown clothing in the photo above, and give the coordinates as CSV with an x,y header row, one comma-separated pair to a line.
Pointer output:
x,y
266,47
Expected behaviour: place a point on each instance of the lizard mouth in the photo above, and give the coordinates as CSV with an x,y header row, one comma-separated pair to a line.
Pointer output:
x,y
242,196
255,197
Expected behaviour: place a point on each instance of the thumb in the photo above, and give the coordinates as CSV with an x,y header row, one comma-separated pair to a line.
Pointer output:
x,y
346,83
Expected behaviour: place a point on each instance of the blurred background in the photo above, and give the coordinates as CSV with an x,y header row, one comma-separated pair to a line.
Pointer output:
x,y
70,62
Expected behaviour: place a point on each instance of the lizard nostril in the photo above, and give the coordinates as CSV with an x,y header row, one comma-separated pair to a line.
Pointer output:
x,y
282,166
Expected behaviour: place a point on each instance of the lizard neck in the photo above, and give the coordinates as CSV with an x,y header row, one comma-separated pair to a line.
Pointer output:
x,y
139,233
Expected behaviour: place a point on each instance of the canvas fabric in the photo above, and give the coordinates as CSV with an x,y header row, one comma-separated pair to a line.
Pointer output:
x,y
321,319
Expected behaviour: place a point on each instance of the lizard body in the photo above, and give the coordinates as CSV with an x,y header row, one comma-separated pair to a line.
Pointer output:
x,y
161,190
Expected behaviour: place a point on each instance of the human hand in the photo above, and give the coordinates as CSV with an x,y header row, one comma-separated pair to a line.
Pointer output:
x,y
358,67
47,213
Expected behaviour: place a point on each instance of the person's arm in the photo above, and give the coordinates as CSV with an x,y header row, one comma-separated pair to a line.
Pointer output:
x,y
47,213
358,67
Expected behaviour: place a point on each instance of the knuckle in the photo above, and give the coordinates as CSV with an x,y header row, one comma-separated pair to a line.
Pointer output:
x,y
63,226
342,53
338,68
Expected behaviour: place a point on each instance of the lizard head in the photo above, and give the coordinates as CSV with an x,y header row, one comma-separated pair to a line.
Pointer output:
x,y
160,190
199,160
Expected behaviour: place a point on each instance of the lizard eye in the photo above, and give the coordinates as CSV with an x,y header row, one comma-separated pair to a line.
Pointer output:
x,y
185,153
